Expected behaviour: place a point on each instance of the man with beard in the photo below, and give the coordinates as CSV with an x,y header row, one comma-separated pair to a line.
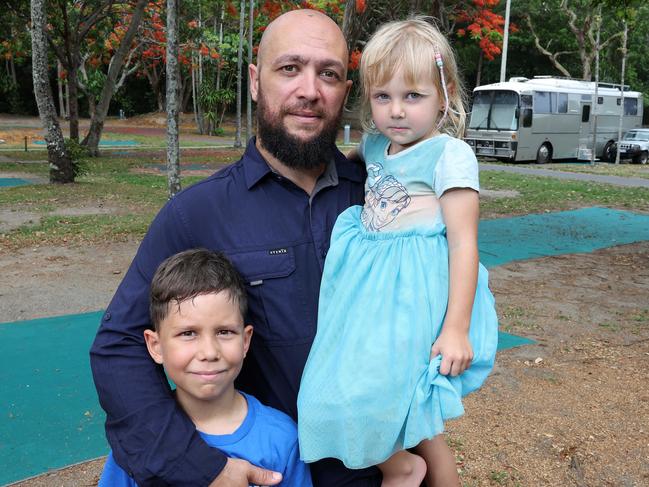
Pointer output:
x,y
271,213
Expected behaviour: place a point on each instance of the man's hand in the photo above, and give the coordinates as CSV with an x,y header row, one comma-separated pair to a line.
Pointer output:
x,y
239,473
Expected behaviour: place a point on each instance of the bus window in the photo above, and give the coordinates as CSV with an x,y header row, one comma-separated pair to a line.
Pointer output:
x,y
630,106
562,102
585,113
494,110
503,111
527,117
480,110
526,101
542,102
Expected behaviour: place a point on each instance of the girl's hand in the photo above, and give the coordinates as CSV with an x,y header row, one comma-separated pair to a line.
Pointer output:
x,y
455,349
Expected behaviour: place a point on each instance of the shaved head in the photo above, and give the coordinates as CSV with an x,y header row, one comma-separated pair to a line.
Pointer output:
x,y
305,20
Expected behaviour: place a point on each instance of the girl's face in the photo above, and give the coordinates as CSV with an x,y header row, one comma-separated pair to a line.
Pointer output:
x,y
404,113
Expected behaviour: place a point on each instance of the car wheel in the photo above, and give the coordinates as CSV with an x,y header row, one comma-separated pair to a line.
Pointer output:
x,y
642,158
608,154
544,154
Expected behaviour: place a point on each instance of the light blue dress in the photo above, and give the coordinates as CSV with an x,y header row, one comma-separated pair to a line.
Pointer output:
x,y
369,388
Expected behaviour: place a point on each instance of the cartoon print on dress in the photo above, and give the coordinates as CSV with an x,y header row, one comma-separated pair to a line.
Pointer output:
x,y
385,197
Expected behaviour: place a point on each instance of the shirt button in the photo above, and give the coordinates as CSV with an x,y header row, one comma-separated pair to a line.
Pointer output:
x,y
107,316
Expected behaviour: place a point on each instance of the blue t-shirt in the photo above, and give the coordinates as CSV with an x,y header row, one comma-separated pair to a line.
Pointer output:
x,y
266,438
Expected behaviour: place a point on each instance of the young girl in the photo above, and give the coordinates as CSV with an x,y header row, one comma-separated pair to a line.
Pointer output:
x,y
406,322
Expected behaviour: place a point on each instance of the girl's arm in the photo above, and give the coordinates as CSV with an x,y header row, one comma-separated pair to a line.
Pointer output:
x,y
460,210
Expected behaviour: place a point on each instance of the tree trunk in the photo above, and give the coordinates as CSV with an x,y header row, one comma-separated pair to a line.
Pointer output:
x,y
12,66
251,25
598,22
198,114
61,166
173,75
242,16
186,94
350,26
624,53
59,82
73,98
154,80
117,62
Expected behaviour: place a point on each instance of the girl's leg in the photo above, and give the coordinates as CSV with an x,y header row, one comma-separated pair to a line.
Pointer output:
x,y
441,471
403,469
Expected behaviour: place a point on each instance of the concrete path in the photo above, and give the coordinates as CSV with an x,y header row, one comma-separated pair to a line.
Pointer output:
x,y
577,176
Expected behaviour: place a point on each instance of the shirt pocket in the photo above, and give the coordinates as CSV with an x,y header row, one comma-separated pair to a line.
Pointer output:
x,y
277,305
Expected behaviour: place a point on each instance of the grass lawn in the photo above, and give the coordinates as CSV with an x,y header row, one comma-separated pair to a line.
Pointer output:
x,y
128,199
624,169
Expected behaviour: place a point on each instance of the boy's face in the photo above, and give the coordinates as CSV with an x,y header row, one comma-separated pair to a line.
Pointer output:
x,y
201,343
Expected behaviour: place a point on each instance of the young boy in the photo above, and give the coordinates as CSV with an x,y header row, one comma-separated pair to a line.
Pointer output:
x,y
198,302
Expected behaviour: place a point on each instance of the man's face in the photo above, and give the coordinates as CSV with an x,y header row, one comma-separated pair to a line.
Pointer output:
x,y
300,85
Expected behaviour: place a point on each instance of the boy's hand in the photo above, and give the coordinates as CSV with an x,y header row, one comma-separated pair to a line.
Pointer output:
x,y
239,473
456,352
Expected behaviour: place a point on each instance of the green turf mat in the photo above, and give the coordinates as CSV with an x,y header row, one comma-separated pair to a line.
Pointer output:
x,y
585,230
103,143
10,182
49,413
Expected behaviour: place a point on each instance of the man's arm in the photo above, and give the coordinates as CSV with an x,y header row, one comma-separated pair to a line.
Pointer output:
x,y
151,437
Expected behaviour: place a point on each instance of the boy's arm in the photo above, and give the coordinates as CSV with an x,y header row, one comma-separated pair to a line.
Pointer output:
x,y
151,438
297,473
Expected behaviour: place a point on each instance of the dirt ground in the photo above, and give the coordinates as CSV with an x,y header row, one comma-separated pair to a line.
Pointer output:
x,y
570,410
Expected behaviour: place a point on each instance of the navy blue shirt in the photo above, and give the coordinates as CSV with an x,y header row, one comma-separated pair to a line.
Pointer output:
x,y
277,236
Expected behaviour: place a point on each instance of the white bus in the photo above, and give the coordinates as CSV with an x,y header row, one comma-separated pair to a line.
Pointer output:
x,y
546,118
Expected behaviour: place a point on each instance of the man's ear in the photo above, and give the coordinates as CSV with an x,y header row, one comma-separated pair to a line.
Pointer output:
x,y
247,336
253,75
152,340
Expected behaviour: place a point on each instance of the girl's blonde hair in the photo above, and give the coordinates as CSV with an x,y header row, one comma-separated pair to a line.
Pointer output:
x,y
411,46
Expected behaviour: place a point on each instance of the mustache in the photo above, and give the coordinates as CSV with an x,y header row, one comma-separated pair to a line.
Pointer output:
x,y
304,105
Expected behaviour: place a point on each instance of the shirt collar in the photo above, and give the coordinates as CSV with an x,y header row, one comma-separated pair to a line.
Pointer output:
x,y
256,167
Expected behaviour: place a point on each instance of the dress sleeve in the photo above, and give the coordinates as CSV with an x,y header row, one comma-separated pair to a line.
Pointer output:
x,y
457,168
151,438
296,473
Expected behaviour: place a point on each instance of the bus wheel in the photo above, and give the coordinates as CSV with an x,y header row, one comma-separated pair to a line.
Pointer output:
x,y
544,154
608,154
642,158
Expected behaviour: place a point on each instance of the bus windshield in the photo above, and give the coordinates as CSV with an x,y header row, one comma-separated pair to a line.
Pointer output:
x,y
494,110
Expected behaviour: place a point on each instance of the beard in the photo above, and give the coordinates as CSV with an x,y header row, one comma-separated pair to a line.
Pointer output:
x,y
289,149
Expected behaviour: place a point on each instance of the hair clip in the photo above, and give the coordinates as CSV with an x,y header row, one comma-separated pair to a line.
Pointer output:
x,y
440,65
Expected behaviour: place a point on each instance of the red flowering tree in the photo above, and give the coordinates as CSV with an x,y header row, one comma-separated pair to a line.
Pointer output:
x,y
478,21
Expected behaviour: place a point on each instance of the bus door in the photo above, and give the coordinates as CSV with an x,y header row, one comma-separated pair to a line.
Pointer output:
x,y
585,131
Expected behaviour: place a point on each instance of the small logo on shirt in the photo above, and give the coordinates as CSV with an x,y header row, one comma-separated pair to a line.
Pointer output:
x,y
277,251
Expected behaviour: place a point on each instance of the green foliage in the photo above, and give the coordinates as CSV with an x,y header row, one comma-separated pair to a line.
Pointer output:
x,y
214,103
78,155
10,94
95,82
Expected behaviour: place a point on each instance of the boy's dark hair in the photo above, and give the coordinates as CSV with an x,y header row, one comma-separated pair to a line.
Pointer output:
x,y
191,273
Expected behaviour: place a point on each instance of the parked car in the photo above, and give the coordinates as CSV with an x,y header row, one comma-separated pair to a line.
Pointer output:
x,y
635,145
